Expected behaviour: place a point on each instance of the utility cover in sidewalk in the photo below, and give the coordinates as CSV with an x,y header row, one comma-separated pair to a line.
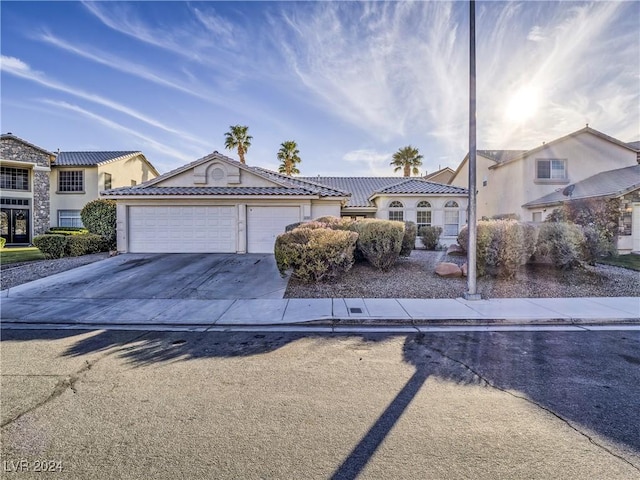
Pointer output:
x,y
355,310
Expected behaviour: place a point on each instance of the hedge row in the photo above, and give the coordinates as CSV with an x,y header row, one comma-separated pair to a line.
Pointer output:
x,y
503,246
58,246
312,253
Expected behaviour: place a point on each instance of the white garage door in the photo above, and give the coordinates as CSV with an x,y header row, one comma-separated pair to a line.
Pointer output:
x,y
265,224
188,229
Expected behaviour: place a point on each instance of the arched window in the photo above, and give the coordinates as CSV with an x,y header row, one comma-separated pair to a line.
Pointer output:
x,y
451,218
396,211
423,214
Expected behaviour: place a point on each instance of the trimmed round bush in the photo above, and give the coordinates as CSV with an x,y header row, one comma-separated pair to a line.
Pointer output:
x,y
561,242
99,217
78,245
379,241
409,238
51,246
502,246
430,236
315,254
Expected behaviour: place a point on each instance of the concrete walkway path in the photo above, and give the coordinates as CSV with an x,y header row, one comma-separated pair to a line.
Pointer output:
x,y
322,311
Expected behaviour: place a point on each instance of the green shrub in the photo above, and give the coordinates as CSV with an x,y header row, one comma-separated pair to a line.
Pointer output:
x,y
3,242
596,245
336,223
409,239
561,242
51,246
502,246
67,231
379,241
315,254
593,213
430,237
78,245
99,217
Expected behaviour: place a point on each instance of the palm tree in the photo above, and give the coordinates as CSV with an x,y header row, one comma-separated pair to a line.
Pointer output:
x,y
237,138
407,158
289,155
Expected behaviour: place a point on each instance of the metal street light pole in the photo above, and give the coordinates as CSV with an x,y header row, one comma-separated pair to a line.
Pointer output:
x,y
472,294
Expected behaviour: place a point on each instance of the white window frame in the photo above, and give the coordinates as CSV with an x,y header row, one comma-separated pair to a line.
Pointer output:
x,y
69,218
554,166
427,210
396,211
451,219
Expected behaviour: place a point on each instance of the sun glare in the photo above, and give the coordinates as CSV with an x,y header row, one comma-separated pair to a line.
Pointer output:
x,y
523,104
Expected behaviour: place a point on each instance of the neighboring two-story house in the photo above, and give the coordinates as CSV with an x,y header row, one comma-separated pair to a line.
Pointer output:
x,y
78,177
24,189
40,189
519,182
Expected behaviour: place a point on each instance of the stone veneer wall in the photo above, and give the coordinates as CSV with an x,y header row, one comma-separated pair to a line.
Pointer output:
x,y
13,149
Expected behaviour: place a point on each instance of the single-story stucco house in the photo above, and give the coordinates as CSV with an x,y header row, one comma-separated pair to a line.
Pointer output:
x,y
219,205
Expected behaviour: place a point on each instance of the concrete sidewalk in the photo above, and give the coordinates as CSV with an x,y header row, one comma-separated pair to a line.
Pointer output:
x,y
323,311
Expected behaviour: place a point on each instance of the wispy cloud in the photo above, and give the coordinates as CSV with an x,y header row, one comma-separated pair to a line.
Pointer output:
x,y
131,68
151,143
15,66
203,37
368,161
400,70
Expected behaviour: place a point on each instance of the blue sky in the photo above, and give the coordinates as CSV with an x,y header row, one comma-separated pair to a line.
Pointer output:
x,y
350,82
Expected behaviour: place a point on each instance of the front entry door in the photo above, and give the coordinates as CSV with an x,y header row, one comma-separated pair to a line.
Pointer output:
x,y
14,225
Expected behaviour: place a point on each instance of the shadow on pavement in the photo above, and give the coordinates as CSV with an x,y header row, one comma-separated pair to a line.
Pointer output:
x,y
589,379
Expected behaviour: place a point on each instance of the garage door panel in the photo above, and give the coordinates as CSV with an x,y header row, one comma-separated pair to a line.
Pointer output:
x,y
265,224
177,229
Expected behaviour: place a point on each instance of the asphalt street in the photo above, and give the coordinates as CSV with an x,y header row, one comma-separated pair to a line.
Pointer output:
x,y
253,405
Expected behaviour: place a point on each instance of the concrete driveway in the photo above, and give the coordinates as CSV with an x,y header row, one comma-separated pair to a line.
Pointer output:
x,y
164,276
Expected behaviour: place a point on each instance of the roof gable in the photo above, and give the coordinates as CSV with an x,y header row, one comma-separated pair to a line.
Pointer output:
x,y
216,174
11,136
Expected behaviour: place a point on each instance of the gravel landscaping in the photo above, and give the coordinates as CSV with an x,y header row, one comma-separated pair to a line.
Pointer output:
x,y
18,273
414,277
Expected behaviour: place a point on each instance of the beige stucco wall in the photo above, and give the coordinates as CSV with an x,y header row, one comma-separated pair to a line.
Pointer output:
x,y
482,171
203,176
124,171
72,200
410,210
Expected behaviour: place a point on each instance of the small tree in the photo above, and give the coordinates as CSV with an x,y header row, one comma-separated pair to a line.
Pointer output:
x,y
289,156
407,159
237,138
99,217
